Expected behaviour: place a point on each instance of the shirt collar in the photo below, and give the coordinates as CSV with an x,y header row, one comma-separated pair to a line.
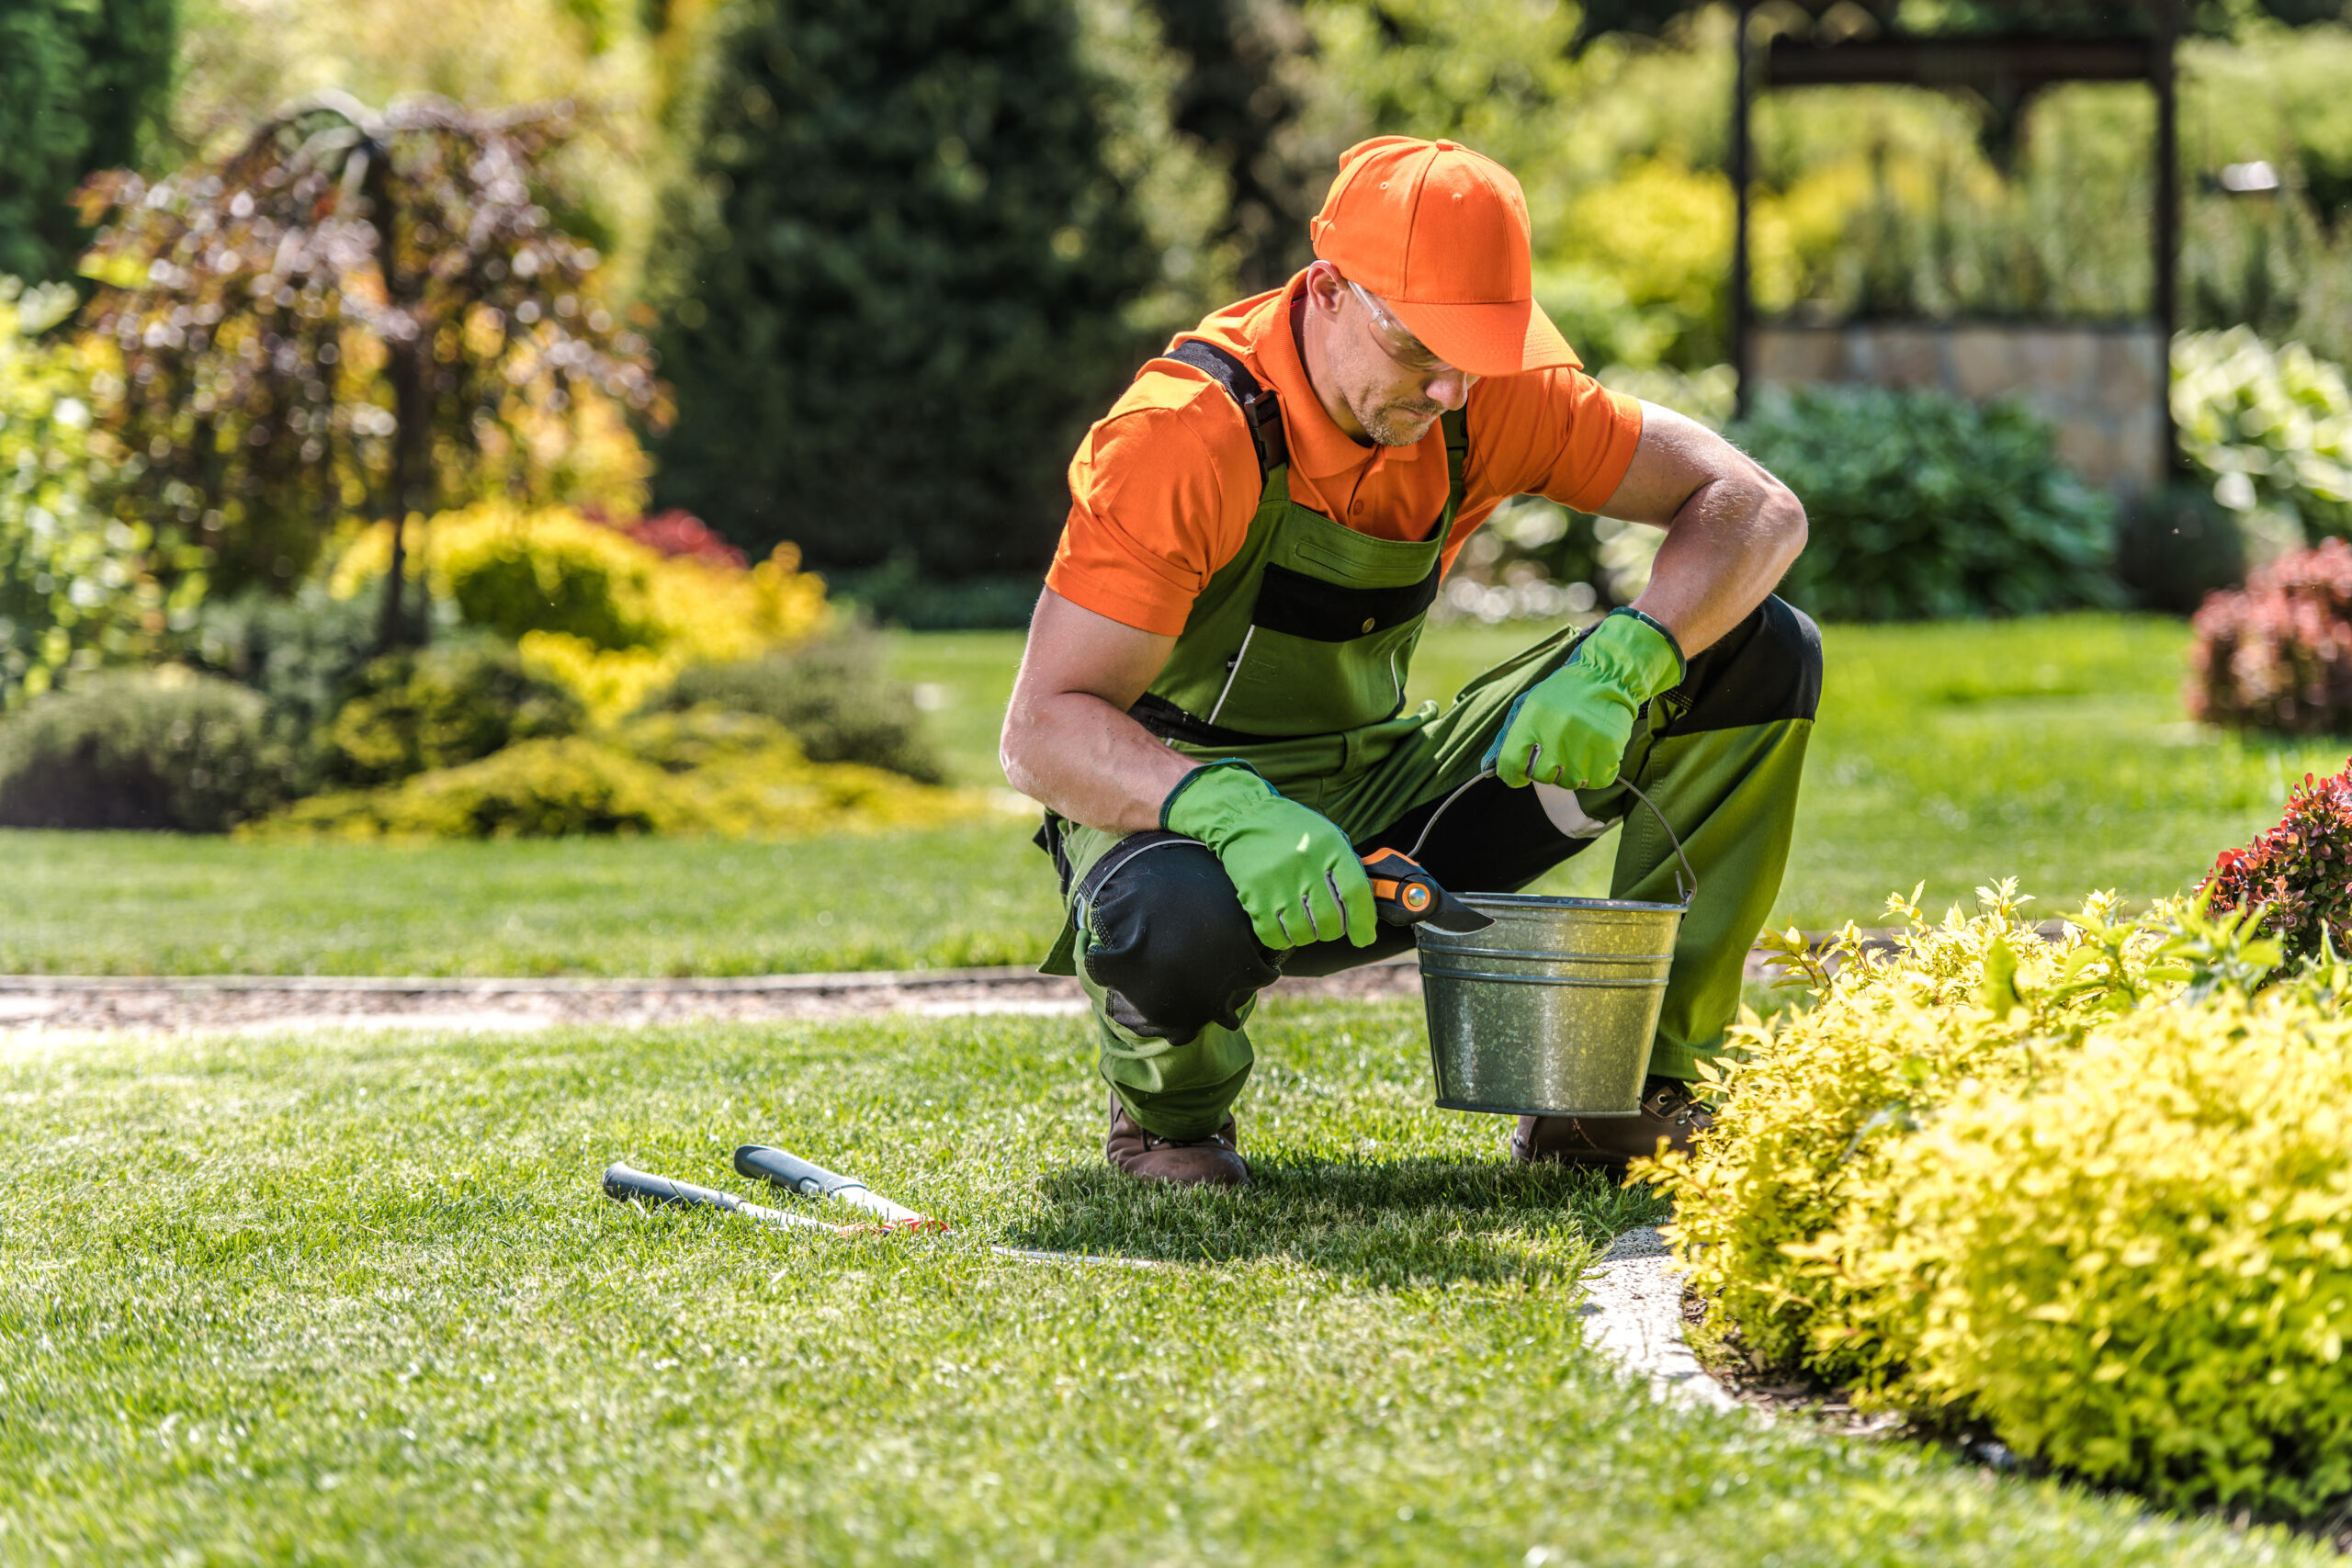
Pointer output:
x,y
1318,448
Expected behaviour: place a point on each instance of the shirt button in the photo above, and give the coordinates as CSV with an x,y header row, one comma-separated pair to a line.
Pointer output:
x,y
1367,622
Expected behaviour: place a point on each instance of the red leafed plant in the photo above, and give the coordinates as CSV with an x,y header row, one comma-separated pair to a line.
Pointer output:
x,y
678,532
2301,871
2277,654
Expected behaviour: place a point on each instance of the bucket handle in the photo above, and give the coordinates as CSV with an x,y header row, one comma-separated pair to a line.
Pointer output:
x,y
1686,881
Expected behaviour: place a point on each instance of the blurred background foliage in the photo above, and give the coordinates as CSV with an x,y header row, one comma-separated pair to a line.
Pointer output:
x,y
886,262
902,255
85,577
84,84
904,268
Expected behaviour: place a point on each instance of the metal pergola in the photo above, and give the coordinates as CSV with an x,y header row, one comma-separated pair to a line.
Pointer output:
x,y
2128,41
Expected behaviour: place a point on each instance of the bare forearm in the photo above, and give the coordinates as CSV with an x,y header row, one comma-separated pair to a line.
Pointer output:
x,y
1725,549
1084,760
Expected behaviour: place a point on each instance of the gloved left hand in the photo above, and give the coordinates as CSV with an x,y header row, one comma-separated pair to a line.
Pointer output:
x,y
1293,869
1572,728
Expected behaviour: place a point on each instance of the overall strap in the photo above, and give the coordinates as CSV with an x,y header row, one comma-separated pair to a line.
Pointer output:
x,y
1260,409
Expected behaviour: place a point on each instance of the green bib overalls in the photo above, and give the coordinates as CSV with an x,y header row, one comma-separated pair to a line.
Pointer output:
x,y
1293,658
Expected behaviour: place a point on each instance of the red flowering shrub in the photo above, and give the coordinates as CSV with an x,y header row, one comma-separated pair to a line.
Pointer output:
x,y
2300,870
674,533
680,532
2277,654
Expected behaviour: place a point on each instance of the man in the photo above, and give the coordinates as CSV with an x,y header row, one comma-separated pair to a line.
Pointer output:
x,y
1211,706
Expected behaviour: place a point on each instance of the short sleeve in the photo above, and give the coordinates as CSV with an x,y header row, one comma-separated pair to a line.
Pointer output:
x,y
1557,433
1161,493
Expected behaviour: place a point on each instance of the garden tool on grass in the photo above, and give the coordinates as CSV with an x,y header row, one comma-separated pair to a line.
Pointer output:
x,y
809,1179
783,1169
623,1184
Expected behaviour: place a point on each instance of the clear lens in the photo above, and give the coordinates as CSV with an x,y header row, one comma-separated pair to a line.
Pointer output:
x,y
1400,344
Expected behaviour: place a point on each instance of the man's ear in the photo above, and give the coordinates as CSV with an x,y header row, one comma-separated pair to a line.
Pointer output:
x,y
1327,288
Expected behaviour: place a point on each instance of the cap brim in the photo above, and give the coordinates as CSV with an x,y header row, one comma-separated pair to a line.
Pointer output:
x,y
1488,339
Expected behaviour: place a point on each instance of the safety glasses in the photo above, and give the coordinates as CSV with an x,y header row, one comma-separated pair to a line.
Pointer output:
x,y
1395,340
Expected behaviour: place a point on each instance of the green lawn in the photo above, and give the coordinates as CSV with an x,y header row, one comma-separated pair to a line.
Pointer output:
x,y
354,1299
2053,750
963,681
136,904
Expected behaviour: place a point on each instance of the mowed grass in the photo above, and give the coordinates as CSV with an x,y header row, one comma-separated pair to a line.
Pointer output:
x,y
2053,750
154,904
346,1298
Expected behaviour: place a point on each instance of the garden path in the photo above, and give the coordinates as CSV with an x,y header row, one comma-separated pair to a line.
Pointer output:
x,y
49,1004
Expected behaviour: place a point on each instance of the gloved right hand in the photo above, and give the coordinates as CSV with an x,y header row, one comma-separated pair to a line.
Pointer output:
x,y
1298,877
1571,729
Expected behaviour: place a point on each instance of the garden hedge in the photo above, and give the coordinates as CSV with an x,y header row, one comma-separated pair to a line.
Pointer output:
x,y
166,750
703,771
894,279
2087,1190
1924,506
2139,1267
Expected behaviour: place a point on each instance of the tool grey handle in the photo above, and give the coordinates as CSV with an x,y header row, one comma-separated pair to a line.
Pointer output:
x,y
789,1171
808,1178
1686,881
623,1184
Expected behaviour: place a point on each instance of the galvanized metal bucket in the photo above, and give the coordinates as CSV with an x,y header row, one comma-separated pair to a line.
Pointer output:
x,y
1551,1010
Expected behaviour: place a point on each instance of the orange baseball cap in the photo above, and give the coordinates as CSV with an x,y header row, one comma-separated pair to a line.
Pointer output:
x,y
1440,232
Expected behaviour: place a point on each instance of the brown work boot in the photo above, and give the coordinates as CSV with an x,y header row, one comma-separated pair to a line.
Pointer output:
x,y
1193,1162
1669,1114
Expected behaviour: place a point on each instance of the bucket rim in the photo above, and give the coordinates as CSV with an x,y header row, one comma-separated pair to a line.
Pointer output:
x,y
1533,901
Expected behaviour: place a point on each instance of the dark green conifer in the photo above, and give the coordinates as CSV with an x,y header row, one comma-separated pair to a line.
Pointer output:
x,y
894,277
82,83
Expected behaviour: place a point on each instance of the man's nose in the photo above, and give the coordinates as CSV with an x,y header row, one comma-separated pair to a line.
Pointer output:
x,y
1451,389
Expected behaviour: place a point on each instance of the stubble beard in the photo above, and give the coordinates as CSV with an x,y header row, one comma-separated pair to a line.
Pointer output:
x,y
1396,424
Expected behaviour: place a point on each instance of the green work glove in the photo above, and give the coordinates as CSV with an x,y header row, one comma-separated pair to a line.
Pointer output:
x,y
1571,729
1299,877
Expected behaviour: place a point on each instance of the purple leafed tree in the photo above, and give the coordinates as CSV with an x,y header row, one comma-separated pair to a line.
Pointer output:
x,y
355,313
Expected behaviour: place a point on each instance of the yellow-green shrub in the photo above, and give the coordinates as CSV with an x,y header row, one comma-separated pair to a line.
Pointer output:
x,y
438,707
85,579
592,609
1812,1103
2139,1265
704,772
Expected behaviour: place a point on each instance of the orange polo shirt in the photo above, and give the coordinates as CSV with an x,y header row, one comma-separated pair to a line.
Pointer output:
x,y
1163,487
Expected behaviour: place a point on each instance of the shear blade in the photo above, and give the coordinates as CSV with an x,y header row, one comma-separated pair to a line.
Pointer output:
x,y
1453,915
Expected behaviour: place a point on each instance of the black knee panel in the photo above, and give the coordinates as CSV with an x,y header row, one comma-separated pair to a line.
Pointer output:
x,y
1168,938
1766,668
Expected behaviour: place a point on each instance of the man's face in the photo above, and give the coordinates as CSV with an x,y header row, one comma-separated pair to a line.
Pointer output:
x,y
1395,387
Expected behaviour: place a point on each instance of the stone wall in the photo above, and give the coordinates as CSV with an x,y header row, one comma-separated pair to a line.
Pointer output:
x,y
2099,383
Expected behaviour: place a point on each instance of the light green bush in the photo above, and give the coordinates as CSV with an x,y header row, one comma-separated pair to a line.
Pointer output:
x,y
2139,1267
704,772
832,693
593,609
1815,1102
2270,428
2094,1192
441,706
79,586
